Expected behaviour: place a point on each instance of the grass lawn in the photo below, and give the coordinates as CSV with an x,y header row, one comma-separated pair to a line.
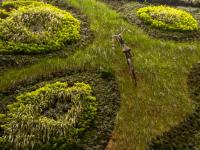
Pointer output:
x,y
161,99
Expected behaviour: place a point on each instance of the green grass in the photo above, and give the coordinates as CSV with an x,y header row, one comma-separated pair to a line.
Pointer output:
x,y
160,101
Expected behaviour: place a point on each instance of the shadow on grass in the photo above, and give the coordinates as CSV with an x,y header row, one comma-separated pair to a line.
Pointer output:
x,y
185,136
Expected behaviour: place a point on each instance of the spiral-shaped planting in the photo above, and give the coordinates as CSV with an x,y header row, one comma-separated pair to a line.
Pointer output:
x,y
167,18
51,114
35,27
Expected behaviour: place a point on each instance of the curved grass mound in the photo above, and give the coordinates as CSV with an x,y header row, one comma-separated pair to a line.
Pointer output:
x,y
185,136
168,26
9,59
10,5
167,18
53,113
95,133
38,29
49,1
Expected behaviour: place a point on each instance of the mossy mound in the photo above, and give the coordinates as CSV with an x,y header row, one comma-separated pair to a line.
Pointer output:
x,y
167,18
104,106
38,29
160,25
54,111
185,136
54,2
10,5
9,59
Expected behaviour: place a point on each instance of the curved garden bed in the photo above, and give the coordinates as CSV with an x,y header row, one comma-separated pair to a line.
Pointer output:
x,y
104,90
159,28
29,50
167,18
185,136
192,3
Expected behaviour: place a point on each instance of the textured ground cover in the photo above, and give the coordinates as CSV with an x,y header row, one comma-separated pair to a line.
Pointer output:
x,y
38,29
55,113
161,99
13,60
184,136
129,11
167,18
105,90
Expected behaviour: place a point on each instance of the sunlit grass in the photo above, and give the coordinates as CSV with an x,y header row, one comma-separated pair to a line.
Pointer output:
x,y
161,100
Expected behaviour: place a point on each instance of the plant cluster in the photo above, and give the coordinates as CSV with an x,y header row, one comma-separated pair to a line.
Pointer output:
x,y
10,5
55,113
129,11
35,27
167,18
104,88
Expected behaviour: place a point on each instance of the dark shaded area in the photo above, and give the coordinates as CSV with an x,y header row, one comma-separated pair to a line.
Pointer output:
x,y
105,89
186,3
185,136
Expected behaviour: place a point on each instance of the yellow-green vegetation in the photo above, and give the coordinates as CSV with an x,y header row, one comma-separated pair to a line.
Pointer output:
x,y
3,14
9,5
53,113
167,18
161,99
37,28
